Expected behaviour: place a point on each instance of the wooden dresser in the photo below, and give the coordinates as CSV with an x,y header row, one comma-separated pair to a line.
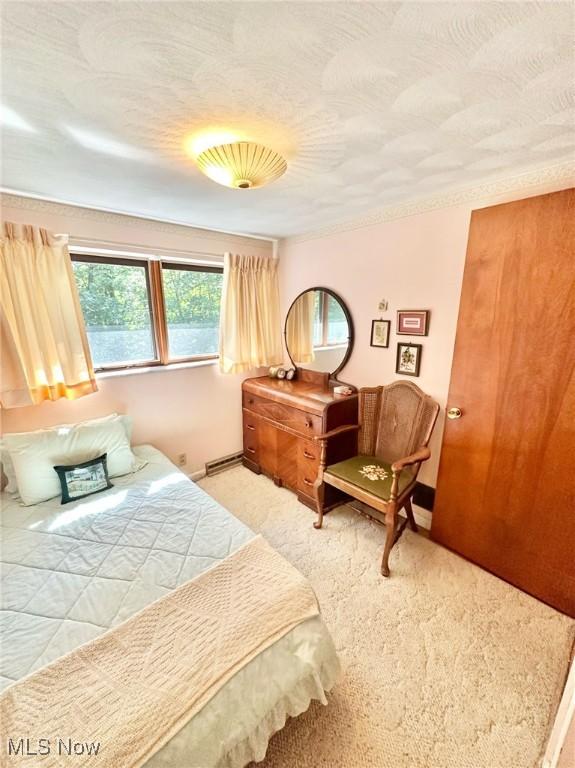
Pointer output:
x,y
280,419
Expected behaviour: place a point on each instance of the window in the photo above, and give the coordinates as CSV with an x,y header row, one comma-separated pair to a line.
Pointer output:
x,y
141,313
115,299
192,300
330,323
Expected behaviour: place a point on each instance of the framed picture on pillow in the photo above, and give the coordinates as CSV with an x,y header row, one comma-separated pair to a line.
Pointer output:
x,y
85,479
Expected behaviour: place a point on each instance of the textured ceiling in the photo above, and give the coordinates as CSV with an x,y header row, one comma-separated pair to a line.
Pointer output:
x,y
372,104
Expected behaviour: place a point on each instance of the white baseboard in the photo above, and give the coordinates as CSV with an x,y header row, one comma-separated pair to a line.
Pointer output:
x,y
197,475
564,719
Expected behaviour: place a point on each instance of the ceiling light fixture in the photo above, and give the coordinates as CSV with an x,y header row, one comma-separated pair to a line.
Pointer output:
x,y
241,164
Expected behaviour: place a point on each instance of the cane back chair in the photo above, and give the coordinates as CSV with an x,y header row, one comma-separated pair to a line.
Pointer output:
x,y
395,425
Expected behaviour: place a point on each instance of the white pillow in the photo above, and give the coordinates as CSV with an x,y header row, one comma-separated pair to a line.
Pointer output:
x,y
7,467
8,470
34,454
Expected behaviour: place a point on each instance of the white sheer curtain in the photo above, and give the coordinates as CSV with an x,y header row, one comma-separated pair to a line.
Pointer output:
x,y
250,323
45,353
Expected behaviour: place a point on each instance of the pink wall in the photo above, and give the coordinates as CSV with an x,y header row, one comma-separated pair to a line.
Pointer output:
x,y
194,410
414,263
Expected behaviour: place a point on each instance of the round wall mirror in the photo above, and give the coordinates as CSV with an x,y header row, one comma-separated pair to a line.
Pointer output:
x,y
319,331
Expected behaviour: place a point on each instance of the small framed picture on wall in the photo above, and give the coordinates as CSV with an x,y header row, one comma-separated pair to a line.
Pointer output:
x,y
380,333
412,322
408,359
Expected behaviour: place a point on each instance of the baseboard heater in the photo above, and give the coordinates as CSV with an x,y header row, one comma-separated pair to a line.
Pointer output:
x,y
218,465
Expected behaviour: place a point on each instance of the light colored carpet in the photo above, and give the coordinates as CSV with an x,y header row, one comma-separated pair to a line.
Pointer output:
x,y
445,666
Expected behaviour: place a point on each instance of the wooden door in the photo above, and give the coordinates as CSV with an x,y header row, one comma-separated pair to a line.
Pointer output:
x,y
506,488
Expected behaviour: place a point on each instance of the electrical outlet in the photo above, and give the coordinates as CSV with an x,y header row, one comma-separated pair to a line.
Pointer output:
x,y
182,460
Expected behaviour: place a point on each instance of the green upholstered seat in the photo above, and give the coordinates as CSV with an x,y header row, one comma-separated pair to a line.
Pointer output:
x,y
370,474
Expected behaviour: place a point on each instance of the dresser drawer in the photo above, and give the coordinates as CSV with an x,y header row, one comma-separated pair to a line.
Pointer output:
x,y
306,485
299,421
308,455
307,466
251,443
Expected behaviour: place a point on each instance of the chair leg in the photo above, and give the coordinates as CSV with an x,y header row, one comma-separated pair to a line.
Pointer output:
x,y
319,486
320,500
410,517
390,524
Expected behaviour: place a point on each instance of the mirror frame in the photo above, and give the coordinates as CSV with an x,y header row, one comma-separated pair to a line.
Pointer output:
x,y
351,335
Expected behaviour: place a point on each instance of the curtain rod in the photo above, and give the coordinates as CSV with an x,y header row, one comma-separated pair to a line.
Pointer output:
x,y
95,245
137,250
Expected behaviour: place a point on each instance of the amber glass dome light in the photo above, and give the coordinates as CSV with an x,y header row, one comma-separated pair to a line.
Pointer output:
x,y
241,165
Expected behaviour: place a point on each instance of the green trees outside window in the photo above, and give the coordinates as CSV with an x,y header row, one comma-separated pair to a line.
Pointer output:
x,y
116,296
192,301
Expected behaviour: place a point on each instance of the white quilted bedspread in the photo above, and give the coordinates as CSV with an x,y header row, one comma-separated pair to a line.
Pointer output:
x,y
70,572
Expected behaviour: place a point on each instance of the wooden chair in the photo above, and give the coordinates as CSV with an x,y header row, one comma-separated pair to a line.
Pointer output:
x,y
395,424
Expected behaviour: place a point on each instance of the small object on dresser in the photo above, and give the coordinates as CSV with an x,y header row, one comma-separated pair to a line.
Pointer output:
x,y
281,374
290,374
80,480
343,390
273,371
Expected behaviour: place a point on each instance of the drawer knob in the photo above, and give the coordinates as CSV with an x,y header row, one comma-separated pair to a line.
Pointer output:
x,y
250,401
308,423
307,482
308,455
250,426
250,450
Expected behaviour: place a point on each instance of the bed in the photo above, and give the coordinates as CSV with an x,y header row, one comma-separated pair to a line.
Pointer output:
x,y
70,573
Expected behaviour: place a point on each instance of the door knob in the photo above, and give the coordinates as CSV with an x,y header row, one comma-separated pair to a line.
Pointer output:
x,y
454,413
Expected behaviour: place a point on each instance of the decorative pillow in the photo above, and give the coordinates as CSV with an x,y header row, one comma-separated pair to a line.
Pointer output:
x,y
34,454
85,479
8,468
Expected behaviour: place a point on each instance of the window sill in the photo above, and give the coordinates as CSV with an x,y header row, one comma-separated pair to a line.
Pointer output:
x,y
326,348
155,368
